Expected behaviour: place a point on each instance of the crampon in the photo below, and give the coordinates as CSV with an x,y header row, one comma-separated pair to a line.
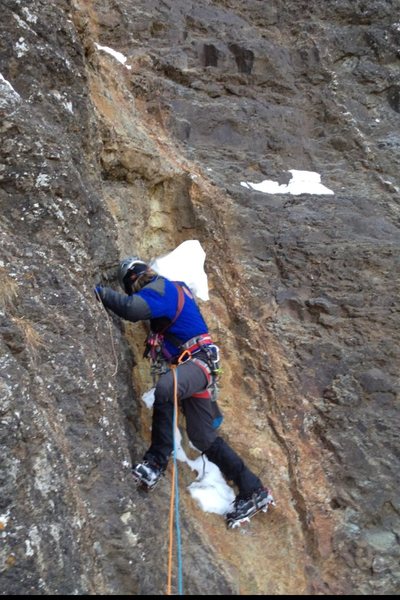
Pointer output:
x,y
146,476
245,508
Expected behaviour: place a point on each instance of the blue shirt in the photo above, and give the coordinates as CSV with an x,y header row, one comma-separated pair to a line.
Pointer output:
x,y
156,300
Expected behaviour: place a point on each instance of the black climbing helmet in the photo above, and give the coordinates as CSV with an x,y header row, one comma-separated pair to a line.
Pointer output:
x,y
130,265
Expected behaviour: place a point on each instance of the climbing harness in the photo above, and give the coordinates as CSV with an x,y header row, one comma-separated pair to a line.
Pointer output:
x,y
161,359
209,362
211,390
210,366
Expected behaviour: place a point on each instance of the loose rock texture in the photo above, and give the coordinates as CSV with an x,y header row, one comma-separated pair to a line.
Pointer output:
x,y
101,158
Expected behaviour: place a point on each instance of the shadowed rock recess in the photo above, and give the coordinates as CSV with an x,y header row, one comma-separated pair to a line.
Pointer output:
x,y
105,155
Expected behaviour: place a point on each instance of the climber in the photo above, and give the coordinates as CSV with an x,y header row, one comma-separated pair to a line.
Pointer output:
x,y
178,332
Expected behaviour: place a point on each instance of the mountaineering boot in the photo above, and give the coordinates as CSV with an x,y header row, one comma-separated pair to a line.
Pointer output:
x,y
244,508
147,475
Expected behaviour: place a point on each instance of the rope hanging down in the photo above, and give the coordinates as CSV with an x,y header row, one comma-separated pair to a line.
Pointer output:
x,y
175,498
103,308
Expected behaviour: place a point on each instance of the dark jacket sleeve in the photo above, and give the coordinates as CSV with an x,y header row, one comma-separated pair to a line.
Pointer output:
x,y
132,308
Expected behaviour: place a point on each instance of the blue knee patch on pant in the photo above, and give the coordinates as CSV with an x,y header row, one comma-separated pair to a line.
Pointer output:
x,y
217,422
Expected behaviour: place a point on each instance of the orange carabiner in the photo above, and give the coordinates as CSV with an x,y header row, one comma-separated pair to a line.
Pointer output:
x,y
186,354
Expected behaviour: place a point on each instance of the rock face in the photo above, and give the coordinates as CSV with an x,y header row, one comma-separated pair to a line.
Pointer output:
x,y
105,155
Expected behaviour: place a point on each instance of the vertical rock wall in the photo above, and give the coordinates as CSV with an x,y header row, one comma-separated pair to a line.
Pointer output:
x,y
101,158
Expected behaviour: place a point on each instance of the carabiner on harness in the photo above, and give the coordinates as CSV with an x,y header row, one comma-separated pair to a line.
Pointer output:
x,y
153,350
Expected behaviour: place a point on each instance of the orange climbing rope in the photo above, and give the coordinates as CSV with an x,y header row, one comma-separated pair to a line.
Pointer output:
x,y
171,506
